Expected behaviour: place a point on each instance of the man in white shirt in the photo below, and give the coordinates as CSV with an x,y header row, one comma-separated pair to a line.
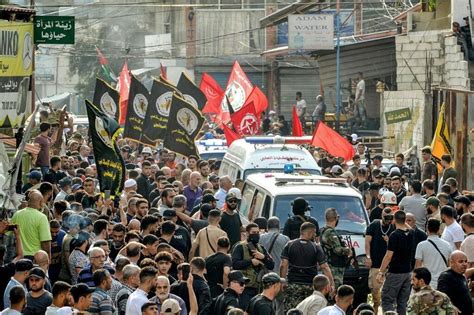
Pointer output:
x,y
300,108
360,97
344,299
453,232
224,185
140,295
17,301
433,253
317,301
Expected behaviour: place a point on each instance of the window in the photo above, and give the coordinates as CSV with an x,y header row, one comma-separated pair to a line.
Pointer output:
x,y
247,197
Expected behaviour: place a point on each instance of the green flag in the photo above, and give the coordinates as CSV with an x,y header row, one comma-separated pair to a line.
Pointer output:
x,y
184,123
106,98
104,131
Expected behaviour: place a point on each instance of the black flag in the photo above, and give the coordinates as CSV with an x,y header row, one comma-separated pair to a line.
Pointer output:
x,y
157,115
104,131
184,123
192,94
136,112
107,99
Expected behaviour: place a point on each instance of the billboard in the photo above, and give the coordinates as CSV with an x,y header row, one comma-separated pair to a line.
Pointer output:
x,y
16,64
311,31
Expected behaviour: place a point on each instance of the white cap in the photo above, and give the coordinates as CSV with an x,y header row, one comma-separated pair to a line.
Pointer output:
x,y
272,112
130,183
394,171
147,150
354,137
236,192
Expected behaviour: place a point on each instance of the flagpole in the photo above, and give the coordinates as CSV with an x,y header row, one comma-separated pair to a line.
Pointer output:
x,y
338,65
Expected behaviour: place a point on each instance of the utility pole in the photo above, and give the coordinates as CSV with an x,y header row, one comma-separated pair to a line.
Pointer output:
x,y
338,64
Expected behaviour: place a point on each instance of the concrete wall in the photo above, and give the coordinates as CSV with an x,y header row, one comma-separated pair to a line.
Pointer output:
x,y
407,133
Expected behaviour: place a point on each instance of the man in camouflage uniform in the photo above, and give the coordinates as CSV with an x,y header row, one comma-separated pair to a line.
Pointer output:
x,y
336,251
425,300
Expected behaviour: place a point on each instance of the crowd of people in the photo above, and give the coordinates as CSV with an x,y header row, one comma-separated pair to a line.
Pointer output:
x,y
173,242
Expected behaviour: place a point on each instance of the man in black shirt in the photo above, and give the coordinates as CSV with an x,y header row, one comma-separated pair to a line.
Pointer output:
x,y
327,163
299,261
396,288
397,188
293,224
454,283
376,238
218,267
230,219
230,298
263,303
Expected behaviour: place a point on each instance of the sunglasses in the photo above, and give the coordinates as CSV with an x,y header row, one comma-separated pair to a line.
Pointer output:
x,y
388,217
232,201
240,283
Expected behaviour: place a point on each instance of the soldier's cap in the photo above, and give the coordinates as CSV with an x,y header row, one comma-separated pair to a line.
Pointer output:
x,y
37,272
231,196
271,278
463,199
432,201
237,275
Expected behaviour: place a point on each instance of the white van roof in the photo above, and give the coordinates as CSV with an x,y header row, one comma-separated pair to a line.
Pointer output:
x,y
278,184
254,156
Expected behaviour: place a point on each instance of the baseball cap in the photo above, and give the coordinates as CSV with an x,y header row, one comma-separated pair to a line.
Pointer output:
x,y
205,210
272,112
236,192
130,183
66,181
432,201
35,175
336,170
23,265
169,213
271,278
463,199
208,198
37,272
213,177
80,289
170,307
354,137
75,187
236,275
147,150
230,196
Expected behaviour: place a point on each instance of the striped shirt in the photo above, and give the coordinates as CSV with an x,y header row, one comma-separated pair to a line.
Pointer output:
x,y
85,276
101,303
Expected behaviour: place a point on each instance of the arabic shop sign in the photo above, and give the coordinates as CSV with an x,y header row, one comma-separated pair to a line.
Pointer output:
x,y
398,116
54,29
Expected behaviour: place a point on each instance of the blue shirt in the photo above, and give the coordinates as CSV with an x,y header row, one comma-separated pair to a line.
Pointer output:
x,y
191,196
6,295
181,303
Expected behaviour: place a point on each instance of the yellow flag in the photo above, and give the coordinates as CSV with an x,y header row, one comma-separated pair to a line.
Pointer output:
x,y
441,143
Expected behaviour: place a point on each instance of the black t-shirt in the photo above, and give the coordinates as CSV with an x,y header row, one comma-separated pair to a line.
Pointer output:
x,y
378,246
401,242
259,305
215,271
38,305
324,164
455,286
231,225
303,257
293,224
181,240
375,214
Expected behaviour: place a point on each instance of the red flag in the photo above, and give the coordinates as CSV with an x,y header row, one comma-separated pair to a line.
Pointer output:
x,y
163,71
237,91
297,128
246,121
213,92
259,100
230,135
124,89
331,141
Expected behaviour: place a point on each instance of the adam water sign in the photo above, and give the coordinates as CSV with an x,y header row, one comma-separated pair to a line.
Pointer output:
x,y
311,31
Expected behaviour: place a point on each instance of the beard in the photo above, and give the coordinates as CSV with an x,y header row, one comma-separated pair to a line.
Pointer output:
x,y
162,296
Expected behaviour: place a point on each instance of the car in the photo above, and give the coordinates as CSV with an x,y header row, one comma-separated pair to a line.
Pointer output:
x,y
272,194
253,155
212,148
